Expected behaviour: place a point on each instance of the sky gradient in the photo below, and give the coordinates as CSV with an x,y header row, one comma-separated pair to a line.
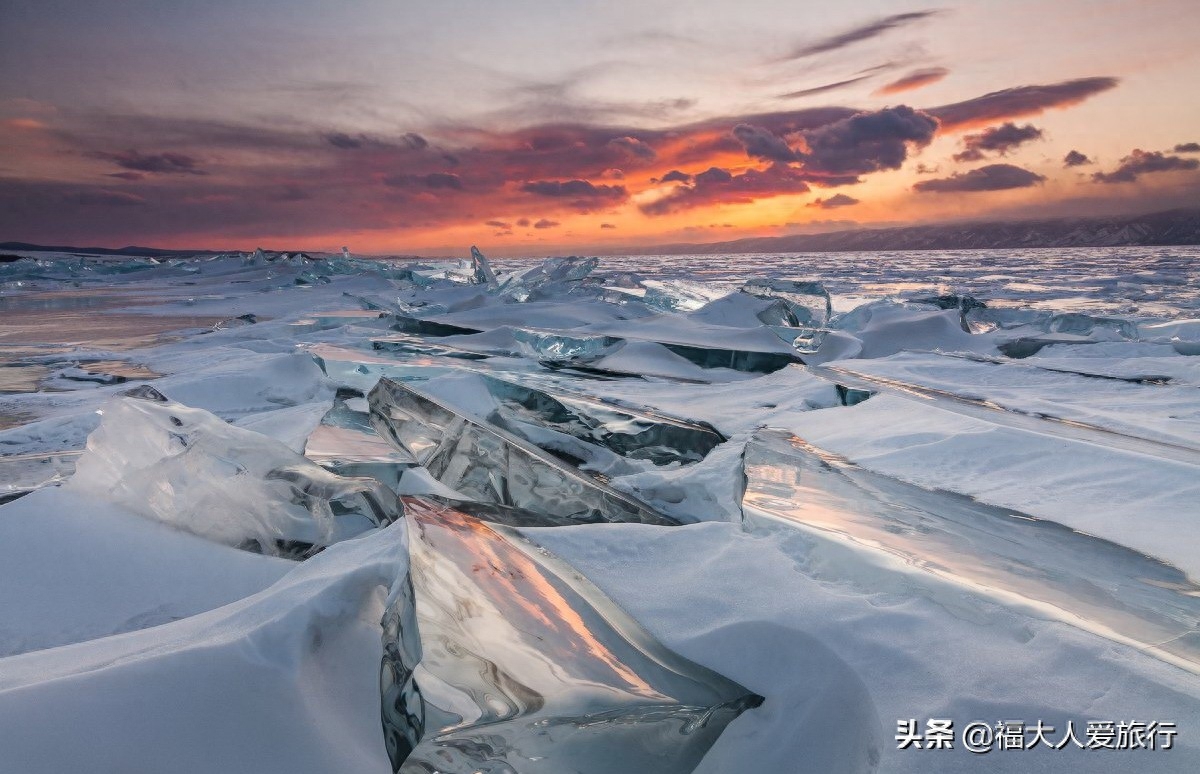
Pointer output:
x,y
534,128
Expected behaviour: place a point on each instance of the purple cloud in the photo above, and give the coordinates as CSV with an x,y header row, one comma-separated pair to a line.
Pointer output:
x,y
432,180
1142,162
993,177
157,163
1076,159
833,202
867,142
763,143
1019,101
997,139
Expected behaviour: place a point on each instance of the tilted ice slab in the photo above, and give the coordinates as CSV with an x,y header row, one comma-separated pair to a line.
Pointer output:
x,y
1128,497
1038,330
673,295
526,667
553,277
651,360
885,328
287,679
489,464
630,433
582,431
186,468
1161,412
1087,581
417,345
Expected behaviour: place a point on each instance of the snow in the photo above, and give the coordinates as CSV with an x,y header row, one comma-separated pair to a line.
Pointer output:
x,y
77,569
286,679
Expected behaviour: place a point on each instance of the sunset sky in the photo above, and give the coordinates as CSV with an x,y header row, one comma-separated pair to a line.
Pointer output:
x,y
532,128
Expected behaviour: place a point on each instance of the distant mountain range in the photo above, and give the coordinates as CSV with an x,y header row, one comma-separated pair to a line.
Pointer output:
x,y
1173,227
132,251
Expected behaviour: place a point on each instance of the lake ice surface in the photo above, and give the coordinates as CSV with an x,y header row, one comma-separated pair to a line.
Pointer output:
x,y
916,508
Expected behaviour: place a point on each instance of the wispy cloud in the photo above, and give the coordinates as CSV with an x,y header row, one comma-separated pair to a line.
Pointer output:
x,y
1019,101
858,34
157,163
828,87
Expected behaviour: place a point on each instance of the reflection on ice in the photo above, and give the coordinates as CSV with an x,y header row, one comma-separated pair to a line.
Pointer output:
x,y
526,667
345,443
414,344
488,464
362,369
1091,582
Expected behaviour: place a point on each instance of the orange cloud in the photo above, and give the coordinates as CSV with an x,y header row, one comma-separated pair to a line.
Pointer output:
x,y
914,80
28,124
143,179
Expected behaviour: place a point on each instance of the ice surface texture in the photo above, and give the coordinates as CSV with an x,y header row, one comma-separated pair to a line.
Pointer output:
x,y
187,468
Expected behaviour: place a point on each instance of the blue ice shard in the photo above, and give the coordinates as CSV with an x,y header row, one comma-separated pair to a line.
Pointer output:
x,y
491,465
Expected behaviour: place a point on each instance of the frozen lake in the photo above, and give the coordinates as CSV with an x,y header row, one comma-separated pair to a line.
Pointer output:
x,y
702,513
